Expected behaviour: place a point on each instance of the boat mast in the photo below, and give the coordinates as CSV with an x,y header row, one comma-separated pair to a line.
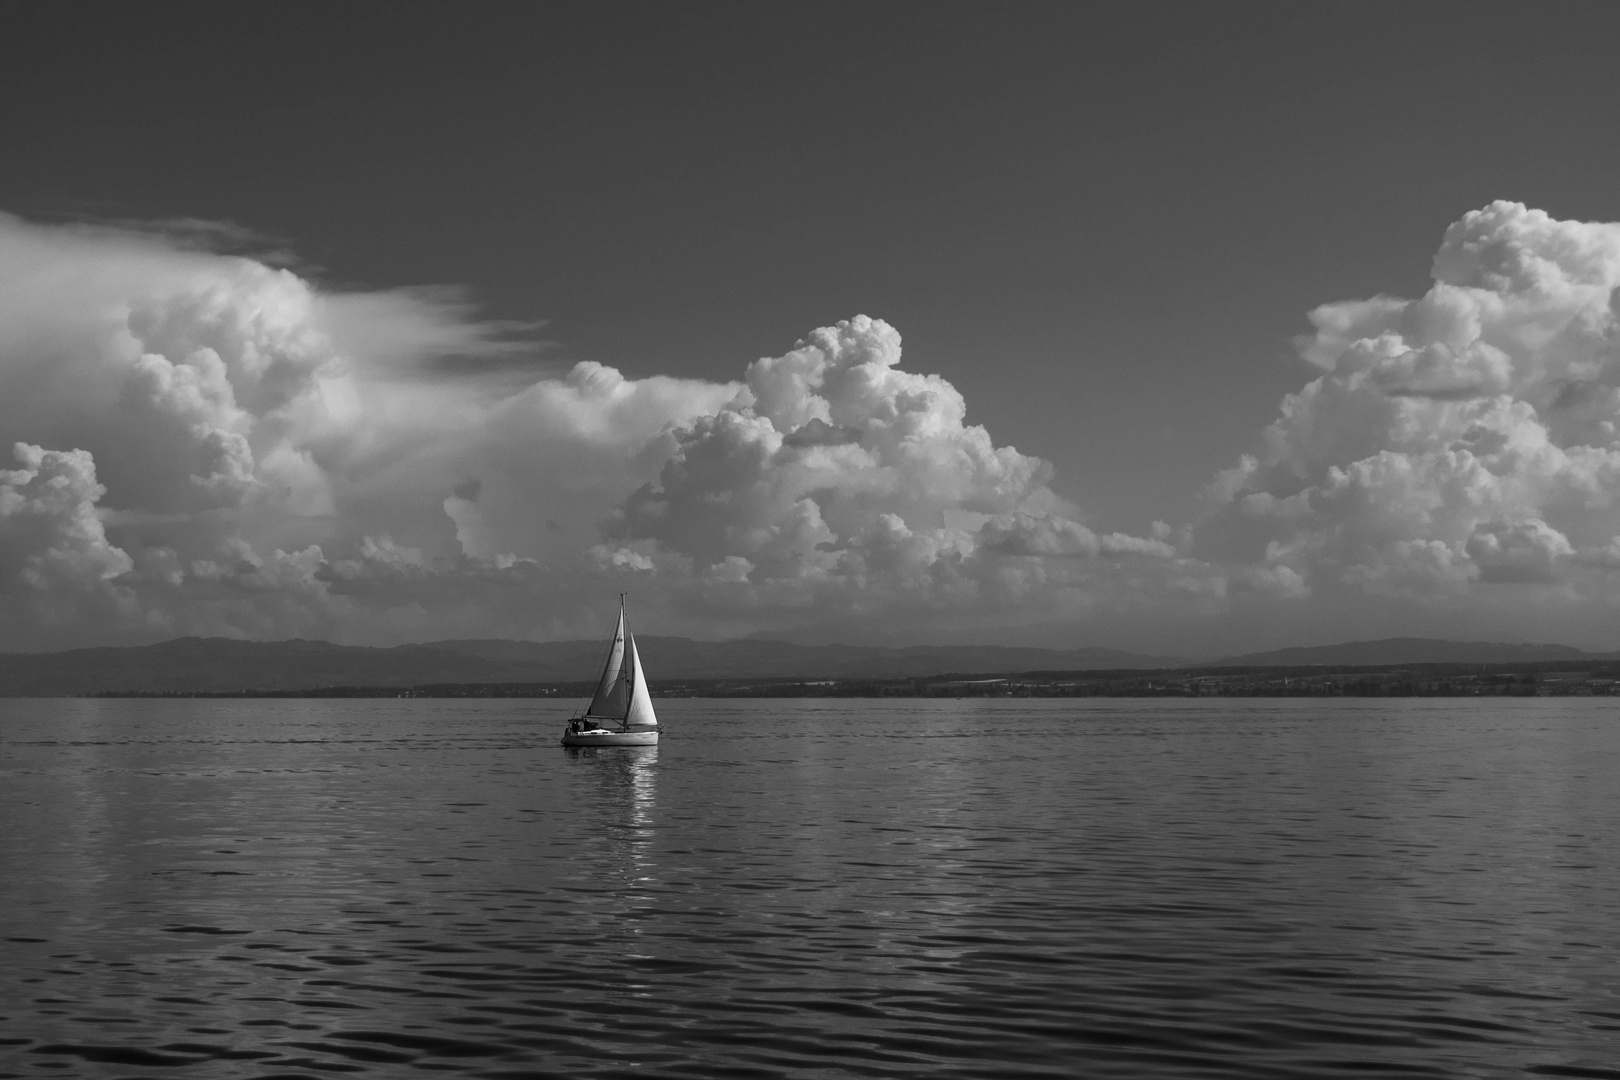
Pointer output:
x,y
629,676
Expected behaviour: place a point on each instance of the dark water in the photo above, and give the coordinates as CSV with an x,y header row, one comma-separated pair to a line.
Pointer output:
x,y
849,888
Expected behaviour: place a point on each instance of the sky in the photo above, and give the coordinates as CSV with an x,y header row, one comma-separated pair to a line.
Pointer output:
x,y
1182,328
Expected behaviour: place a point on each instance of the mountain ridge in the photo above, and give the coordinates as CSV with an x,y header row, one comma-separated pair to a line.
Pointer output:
x,y
1409,650
227,665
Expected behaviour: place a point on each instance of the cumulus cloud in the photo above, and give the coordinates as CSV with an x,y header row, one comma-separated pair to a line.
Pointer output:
x,y
1454,445
209,444
1023,534
224,443
55,560
838,488
216,445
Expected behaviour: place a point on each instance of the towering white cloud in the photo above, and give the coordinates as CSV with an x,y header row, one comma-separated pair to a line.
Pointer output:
x,y
214,445
56,564
1455,445
208,444
839,485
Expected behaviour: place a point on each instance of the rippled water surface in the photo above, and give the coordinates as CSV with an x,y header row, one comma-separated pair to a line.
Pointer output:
x,y
807,888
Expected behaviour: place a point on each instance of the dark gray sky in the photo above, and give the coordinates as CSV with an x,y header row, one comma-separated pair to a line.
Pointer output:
x,y
1103,223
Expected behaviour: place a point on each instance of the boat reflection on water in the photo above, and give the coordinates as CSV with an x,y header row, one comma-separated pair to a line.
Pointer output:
x,y
618,789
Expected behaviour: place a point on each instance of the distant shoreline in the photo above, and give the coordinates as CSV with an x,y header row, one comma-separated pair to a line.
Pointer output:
x,y
1545,679
680,667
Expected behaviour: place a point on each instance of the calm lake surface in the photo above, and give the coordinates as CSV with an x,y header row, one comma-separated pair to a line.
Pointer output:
x,y
1146,888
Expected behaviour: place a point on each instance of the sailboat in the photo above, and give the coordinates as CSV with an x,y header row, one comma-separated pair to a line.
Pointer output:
x,y
621,711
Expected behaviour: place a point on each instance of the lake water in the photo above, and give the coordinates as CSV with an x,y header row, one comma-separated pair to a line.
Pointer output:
x,y
1147,888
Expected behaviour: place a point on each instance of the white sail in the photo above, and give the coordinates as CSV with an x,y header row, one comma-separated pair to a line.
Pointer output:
x,y
612,696
621,710
640,711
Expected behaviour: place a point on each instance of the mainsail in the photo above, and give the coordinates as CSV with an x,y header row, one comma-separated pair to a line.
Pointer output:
x,y
621,693
612,695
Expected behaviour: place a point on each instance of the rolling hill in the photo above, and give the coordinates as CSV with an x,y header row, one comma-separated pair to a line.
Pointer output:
x,y
1405,650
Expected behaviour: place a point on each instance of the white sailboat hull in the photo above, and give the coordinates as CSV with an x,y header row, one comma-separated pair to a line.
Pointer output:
x,y
609,737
